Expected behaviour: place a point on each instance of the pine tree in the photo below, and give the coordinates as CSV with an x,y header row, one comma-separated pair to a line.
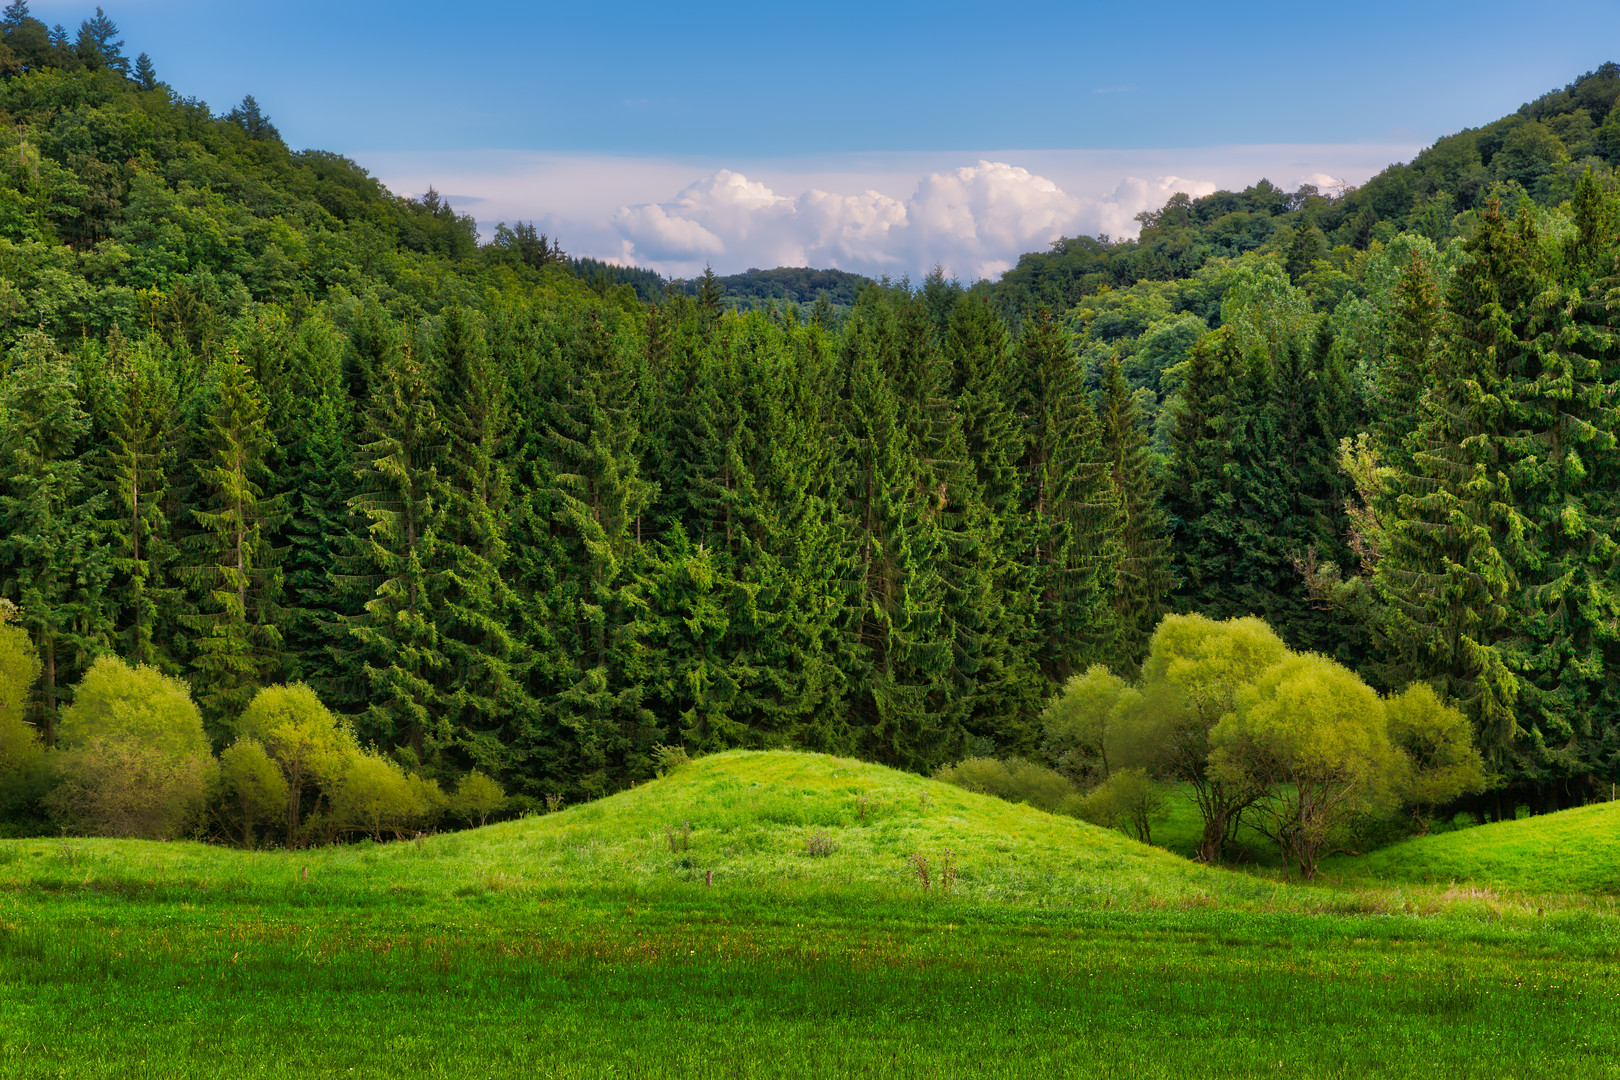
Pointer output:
x,y
1142,582
1447,575
476,609
145,73
394,568
231,562
141,409
1070,504
53,563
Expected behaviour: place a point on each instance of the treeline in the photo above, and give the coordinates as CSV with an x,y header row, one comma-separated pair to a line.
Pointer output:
x,y
541,539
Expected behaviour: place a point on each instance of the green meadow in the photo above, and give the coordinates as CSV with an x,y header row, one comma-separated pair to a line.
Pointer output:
x,y
765,914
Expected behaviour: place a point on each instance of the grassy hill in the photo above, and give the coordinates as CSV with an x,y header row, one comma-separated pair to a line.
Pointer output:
x,y
1574,851
589,942
770,821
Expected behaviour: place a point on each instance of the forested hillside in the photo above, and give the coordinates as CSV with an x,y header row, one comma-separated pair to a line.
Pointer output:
x,y
262,421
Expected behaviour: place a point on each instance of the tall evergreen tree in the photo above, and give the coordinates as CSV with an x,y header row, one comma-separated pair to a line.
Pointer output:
x,y
1070,504
53,563
1142,582
1561,461
476,609
231,563
394,567
597,496
141,408
1447,574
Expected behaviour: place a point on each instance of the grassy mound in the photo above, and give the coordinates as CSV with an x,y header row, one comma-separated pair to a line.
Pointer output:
x,y
768,821
1571,852
590,942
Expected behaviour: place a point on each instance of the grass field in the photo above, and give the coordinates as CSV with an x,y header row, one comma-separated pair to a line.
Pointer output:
x,y
591,943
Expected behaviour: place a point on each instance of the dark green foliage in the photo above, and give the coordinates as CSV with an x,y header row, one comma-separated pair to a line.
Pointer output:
x,y
1142,581
56,568
230,563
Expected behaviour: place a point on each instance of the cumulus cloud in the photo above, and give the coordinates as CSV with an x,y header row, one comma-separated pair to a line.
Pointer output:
x,y
974,221
896,213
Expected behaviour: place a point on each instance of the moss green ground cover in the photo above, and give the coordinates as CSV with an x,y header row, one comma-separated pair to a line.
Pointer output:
x,y
590,943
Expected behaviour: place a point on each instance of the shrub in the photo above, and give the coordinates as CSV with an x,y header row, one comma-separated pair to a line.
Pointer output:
x,y
21,753
134,760
1312,739
252,790
376,795
666,759
1195,669
476,798
1014,779
312,748
1439,761
120,787
1076,723
1128,801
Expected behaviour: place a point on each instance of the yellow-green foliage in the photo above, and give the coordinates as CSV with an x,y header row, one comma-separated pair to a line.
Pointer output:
x,y
1129,800
1014,779
1076,723
1208,661
138,703
1311,739
1439,760
377,796
310,745
20,748
134,759
252,789
477,797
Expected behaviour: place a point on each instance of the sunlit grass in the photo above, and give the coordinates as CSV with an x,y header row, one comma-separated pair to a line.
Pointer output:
x,y
1573,851
585,943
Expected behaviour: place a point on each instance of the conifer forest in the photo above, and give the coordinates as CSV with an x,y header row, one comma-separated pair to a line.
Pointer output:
x,y
506,512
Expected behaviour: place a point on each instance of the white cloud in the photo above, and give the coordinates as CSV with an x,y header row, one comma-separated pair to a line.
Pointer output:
x,y
888,213
973,220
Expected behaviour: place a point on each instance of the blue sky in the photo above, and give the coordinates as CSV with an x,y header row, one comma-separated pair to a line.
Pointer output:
x,y
675,135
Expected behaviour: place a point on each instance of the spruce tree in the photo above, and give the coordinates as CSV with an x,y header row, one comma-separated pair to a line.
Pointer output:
x,y
1447,574
231,562
1070,504
476,608
316,480
53,562
1142,581
899,642
1561,461
394,568
989,584
140,406
597,497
